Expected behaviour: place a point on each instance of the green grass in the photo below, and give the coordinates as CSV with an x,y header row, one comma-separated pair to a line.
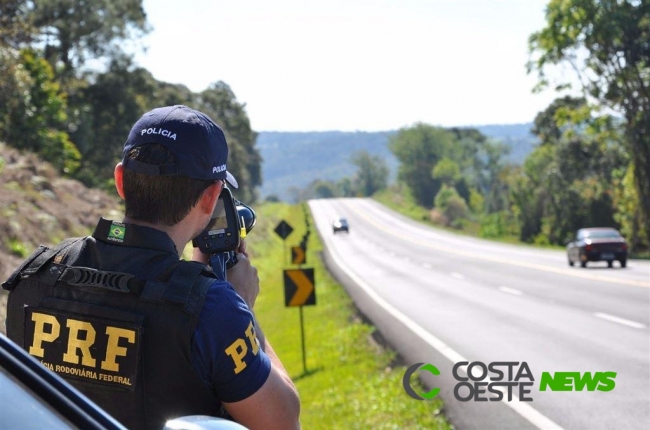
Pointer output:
x,y
349,382
640,255
400,200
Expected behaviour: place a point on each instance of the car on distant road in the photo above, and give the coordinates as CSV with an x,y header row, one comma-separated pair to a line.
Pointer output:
x,y
597,244
340,224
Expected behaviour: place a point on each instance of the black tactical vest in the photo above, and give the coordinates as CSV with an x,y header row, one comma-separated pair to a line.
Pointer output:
x,y
116,321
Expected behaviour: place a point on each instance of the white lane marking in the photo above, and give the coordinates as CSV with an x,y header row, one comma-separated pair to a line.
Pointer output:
x,y
623,321
524,409
457,275
510,291
427,266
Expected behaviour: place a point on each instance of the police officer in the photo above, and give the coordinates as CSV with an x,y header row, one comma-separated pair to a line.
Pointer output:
x,y
147,336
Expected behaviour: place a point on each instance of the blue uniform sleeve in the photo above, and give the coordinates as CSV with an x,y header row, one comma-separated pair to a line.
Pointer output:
x,y
225,351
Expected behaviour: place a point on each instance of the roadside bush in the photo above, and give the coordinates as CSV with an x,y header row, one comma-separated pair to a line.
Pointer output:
x,y
452,206
476,201
438,218
498,224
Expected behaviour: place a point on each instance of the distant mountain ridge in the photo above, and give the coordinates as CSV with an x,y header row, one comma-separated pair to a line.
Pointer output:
x,y
294,159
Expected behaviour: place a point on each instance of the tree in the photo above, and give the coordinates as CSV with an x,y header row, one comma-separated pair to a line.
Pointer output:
x,y
550,124
481,162
627,214
372,173
492,174
316,189
567,180
105,112
323,189
48,100
451,205
418,149
607,42
33,115
244,160
72,30
345,187
447,171
16,29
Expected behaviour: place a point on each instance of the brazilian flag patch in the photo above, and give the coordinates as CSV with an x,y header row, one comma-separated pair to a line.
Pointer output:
x,y
116,232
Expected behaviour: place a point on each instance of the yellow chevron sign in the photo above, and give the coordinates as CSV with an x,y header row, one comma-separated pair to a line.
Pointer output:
x,y
299,287
298,255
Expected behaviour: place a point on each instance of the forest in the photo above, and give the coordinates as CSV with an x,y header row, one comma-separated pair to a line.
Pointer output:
x,y
78,118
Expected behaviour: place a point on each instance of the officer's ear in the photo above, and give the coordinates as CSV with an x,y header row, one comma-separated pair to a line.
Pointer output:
x,y
119,179
209,197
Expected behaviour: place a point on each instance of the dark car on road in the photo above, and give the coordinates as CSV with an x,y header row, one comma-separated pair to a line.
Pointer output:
x,y
597,244
340,224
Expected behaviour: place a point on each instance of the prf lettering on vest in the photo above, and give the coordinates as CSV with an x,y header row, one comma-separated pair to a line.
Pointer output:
x,y
239,348
78,345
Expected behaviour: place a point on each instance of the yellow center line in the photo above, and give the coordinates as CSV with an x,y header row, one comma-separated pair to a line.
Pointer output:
x,y
494,259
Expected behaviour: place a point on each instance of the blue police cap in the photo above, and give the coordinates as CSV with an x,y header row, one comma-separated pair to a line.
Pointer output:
x,y
198,144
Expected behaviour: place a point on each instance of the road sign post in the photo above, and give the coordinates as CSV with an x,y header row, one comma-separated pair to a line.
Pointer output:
x,y
299,290
302,342
283,229
299,286
298,255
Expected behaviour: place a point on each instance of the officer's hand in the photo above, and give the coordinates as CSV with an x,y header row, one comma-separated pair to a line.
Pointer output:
x,y
244,279
199,256
242,248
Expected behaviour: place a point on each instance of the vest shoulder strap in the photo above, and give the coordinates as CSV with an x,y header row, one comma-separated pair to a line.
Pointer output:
x,y
34,262
186,284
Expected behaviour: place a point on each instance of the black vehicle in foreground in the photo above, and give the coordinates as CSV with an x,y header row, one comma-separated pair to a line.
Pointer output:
x,y
33,397
597,244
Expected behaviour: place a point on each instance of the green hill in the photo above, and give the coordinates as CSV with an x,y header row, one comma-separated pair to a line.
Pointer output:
x,y
294,159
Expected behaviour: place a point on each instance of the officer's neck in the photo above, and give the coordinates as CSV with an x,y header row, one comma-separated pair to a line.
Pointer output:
x,y
179,233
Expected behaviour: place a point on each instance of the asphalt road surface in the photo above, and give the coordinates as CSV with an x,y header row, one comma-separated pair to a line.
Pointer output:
x,y
443,299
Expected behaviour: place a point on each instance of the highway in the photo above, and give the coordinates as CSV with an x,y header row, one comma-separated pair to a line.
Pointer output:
x,y
443,298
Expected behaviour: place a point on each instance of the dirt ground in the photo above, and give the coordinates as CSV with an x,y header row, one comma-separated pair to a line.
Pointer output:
x,y
39,207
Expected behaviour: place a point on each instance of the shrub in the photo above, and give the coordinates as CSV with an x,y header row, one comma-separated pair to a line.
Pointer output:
x,y
451,205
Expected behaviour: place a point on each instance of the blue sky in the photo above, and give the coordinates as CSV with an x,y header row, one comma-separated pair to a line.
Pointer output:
x,y
353,64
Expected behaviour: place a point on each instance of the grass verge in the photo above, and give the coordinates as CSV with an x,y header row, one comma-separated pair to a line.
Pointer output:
x,y
349,381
